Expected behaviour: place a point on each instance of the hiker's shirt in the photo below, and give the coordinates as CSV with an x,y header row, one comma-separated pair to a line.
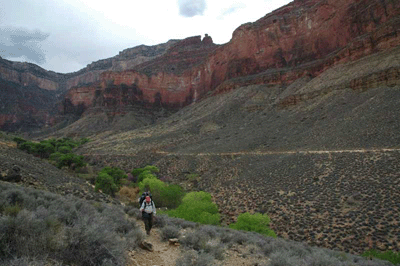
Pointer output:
x,y
148,207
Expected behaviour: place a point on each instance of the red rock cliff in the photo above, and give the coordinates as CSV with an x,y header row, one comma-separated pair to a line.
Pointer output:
x,y
301,38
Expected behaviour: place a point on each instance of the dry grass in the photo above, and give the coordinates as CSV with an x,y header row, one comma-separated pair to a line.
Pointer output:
x,y
128,194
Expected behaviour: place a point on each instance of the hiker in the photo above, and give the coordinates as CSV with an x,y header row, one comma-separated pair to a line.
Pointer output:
x,y
148,210
143,197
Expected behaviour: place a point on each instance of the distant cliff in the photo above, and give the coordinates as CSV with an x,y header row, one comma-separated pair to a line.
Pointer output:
x,y
303,38
31,97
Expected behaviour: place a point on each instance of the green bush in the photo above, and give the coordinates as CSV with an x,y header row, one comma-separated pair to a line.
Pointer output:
x,y
44,149
19,140
69,160
145,172
254,222
55,156
116,173
28,146
64,149
49,229
197,207
106,183
164,195
388,255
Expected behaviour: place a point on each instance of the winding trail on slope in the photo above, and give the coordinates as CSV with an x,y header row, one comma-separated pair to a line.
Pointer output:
x,y
260,153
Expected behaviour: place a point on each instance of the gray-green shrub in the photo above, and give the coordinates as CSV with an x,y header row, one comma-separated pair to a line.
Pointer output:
x,y
65,230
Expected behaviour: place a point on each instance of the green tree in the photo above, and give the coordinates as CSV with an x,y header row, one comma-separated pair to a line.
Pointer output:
x,y
44,149
28,146
64,149
254,222
164,195
145,172
197,207
116,173
70,159
106,183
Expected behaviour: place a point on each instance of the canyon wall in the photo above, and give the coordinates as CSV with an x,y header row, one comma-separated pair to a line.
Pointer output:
x,y
303,38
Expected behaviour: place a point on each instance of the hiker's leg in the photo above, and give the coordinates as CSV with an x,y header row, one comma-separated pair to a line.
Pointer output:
x,y
146,224
150,222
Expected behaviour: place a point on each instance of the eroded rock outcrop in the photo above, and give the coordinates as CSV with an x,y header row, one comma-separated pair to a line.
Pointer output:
x,y
303,38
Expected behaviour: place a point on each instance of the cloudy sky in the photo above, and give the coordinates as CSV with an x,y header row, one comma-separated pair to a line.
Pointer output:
x,y
66,35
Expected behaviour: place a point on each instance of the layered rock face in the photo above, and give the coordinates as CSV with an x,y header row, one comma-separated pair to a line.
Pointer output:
x,y
30,96
25,74
171,80
303,38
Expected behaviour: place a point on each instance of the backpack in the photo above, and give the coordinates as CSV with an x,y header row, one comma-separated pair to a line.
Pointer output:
x,y
143,197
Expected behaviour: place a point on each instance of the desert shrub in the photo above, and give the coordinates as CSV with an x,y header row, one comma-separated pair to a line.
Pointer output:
x,y
193,258
208,230
169,232
133,212
65,231
230,237
83,141
194,240
106,183
160,221
389,255
216,250
192,177
197,207
254,222
164,195
182,223
12,210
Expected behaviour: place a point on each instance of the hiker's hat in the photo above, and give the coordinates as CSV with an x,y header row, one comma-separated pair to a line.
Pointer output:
x,y
148,199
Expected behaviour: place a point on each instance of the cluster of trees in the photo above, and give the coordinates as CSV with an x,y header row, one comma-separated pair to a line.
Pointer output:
x,y
57,150
193,206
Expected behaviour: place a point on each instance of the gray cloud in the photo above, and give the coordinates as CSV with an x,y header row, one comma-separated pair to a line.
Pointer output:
x,y
191,8
20,42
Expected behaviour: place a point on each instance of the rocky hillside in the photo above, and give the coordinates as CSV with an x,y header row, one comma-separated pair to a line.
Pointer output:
x,y
324,164
297,116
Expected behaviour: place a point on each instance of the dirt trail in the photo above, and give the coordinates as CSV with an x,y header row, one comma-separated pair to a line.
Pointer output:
x,y
260,153
163,254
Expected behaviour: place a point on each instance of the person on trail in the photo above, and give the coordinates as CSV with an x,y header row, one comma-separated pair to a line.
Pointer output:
x,y
148,210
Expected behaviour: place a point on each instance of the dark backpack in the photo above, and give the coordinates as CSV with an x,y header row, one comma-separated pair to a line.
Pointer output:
x,y
143,197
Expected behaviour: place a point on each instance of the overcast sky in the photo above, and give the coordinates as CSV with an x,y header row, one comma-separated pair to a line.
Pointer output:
x,y
66,35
